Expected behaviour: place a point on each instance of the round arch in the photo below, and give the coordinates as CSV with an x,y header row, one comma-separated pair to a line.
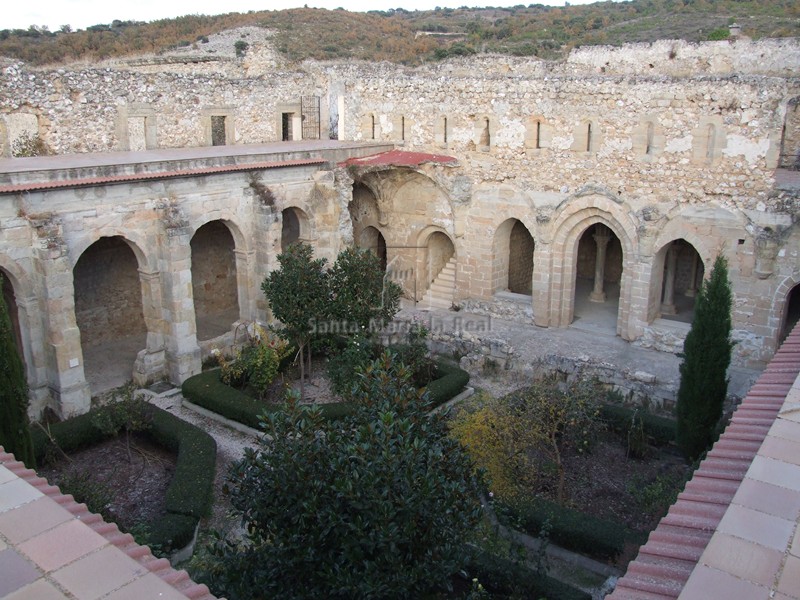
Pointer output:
x,y
781,317
215,279
109,310
512,257
435,251
371,238
295,226
571,223
677,271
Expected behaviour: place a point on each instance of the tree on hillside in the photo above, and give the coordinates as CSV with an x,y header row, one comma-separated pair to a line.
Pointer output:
x,y
378,505
706,357
298,295
15,435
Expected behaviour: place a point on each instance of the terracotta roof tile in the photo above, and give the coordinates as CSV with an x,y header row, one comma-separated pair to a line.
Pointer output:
x,y
684,533
400,158
77,517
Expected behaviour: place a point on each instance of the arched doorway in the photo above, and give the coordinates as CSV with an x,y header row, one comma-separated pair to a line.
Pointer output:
x,y
791,313
294,228
108,312
438,271
214,287
512,268
682,273
598,275
372,239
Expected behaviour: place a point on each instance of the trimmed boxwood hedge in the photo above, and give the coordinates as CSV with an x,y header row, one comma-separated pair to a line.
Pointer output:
x,y
659,429
206,390
190,493
570,528
506,579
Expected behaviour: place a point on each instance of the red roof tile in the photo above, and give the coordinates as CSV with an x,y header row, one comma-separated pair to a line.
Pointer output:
x,y
111,179
400,158
683,534
161,567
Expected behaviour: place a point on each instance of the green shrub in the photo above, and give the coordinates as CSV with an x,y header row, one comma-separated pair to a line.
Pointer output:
x,y
660,430
190,492
505,578
206,390
569,528
450,381
376,506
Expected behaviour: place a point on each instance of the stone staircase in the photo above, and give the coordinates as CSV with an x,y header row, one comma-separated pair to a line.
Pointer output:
x,y
440,293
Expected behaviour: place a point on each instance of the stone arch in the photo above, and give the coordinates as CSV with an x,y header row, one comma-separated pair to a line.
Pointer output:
x,y
513,250
786,303
436,251
676,275
295,226
109,310
370,238
577,215
363,208
215,278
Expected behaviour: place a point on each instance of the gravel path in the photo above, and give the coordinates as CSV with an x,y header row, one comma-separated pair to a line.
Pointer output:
x,y
230,448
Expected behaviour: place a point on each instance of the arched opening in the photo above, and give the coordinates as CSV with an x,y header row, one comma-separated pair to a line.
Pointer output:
x,y
216,300
371,239
681,276
108,312
10,298
439,271
598,274
791,314
293,228
512,270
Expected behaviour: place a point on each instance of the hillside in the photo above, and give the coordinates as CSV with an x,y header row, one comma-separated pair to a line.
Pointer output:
x,y
413,37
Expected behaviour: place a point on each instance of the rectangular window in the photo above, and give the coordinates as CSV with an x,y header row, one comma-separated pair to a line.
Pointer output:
x,y
218,134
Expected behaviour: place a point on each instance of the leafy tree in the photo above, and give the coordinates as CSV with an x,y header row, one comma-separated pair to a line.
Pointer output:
x,y
127,411
706,357
15,435
298,296
361,294
377,505
521,439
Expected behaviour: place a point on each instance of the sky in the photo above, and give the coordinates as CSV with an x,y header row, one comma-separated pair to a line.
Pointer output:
x,y
80,14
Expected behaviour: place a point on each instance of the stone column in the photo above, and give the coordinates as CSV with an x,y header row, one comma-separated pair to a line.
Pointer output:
x,y
180,340
691,291
668,304
65,372
601,236
150,365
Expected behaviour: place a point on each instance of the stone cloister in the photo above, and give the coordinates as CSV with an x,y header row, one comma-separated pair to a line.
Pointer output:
x,y
542,194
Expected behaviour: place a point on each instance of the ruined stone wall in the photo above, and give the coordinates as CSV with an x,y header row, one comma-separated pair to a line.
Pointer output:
x,y
99,110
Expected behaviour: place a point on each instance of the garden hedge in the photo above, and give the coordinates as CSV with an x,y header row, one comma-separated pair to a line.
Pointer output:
x,y
190,493
507,579
570,528
661,430
206,390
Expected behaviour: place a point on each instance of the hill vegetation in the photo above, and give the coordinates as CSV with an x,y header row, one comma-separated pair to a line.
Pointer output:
x,y
413,37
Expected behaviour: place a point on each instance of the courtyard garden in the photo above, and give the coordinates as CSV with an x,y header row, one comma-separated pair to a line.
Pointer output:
x,y
361,486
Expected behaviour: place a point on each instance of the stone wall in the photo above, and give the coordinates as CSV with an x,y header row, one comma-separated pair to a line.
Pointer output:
x,y
658,143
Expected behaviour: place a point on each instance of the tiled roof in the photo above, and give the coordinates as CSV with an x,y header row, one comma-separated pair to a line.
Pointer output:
x,y
127,178
400,158
703,548
52,548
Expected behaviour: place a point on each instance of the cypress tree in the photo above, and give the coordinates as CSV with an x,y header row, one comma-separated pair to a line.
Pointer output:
x,y
706,357
15,434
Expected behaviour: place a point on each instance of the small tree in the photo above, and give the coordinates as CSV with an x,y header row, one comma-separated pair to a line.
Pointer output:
x,y
706,357
15,435
298,296
375,506
522,438
361,293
